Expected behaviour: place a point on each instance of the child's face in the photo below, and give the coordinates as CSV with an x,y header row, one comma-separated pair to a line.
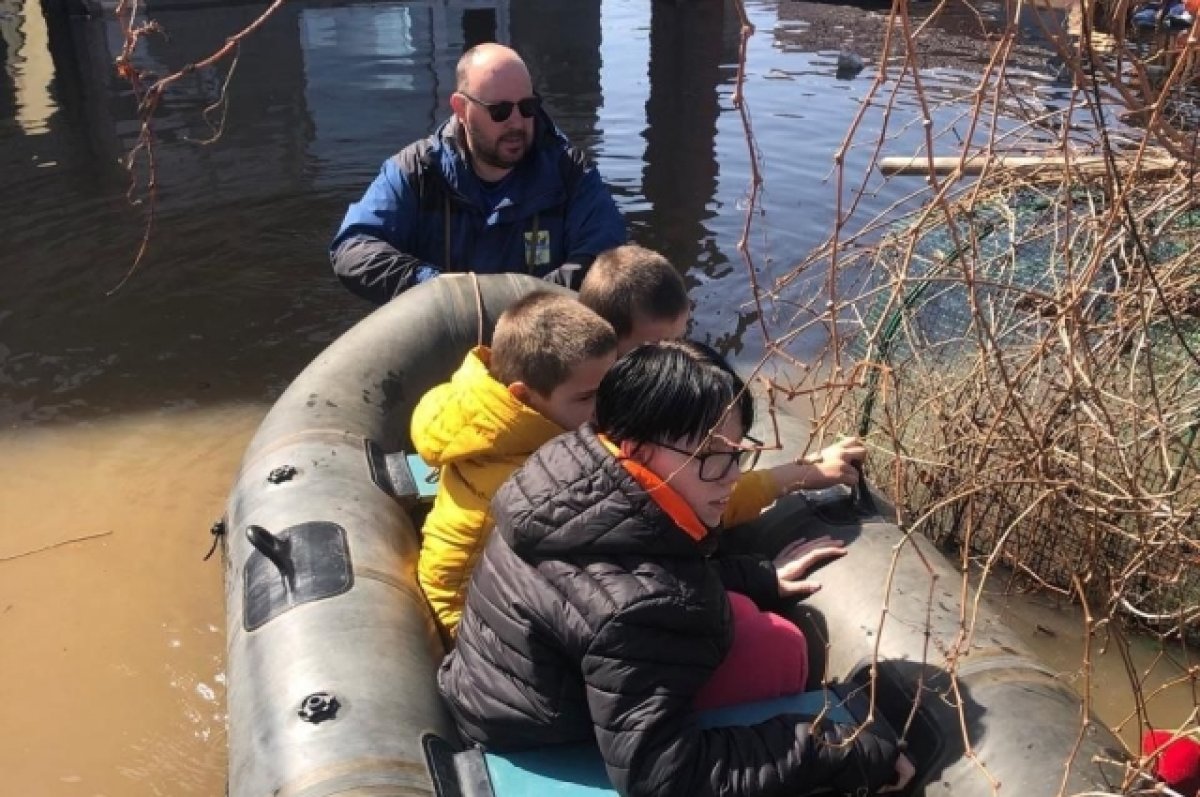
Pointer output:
x,y
573,403
706,498
652,330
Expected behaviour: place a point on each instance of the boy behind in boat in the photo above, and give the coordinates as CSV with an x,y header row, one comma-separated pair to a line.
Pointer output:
x,y
640,293
597,613
538,380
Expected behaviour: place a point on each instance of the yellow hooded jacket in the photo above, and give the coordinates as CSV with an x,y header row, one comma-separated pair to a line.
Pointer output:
x,y
478,434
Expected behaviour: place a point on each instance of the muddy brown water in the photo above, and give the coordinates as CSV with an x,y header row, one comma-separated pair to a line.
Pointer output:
x,y
123,418
113,625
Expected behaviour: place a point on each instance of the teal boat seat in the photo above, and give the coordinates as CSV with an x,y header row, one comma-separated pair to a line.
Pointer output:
x,y
577,770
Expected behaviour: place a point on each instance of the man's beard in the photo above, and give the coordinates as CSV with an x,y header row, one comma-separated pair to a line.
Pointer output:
x,y
492,156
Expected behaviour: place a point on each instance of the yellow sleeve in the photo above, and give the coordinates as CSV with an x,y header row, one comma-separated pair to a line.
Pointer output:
x,y
428,436
753,492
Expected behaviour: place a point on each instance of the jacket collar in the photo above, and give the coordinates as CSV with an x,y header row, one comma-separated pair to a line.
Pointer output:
x,y
663,494
455,158
573,499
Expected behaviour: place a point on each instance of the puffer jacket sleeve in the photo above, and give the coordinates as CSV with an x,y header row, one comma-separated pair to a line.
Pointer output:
x,y
651,745
427,435
454,532
751,575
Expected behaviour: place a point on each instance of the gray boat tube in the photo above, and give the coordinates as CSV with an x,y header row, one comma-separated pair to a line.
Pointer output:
x,y
332,650
980,713
331,677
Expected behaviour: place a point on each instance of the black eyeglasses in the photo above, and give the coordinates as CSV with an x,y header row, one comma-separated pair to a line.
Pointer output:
x,y
715,464
500,111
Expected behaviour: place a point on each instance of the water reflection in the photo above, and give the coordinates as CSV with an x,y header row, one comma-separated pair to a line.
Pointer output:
x,y
377,77
29,40
264,146
688,45
561,43
322,95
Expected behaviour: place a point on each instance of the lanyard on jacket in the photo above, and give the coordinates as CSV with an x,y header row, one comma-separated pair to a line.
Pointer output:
x,y
532,248
446,234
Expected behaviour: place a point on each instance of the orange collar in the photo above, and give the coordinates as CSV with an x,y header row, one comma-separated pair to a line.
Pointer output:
x,y
662,493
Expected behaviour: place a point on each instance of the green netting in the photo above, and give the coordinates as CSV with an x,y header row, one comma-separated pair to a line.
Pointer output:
x,y
1010,265
1023,336
1000,254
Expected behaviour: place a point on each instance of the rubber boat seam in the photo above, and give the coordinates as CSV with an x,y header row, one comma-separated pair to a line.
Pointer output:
x,y
975,663
372,574
358,768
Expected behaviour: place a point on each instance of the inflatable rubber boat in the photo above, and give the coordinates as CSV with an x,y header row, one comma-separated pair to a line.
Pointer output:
x,y
332,650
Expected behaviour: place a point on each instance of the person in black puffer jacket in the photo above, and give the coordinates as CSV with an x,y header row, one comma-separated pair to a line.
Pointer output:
x,y
597,610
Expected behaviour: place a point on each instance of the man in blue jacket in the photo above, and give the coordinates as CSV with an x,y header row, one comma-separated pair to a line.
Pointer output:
x,y
497,188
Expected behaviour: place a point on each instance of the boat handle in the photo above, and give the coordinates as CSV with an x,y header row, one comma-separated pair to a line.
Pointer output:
x,y
862,493
278,550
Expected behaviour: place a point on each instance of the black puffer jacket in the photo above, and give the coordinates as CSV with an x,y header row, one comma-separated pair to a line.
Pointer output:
x,y
592,616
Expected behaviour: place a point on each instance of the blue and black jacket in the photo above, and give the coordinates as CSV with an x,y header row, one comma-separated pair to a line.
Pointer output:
x,y
427,212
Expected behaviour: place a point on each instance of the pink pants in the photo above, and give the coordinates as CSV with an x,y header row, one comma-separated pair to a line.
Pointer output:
x,y
769,658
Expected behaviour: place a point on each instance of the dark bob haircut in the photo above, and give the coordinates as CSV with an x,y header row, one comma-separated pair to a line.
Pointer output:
x,y
671,390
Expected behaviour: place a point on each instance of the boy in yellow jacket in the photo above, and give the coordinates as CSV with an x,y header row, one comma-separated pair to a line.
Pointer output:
x,y
538,380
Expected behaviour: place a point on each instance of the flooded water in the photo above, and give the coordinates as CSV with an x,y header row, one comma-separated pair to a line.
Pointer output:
x,y
113,628
123,417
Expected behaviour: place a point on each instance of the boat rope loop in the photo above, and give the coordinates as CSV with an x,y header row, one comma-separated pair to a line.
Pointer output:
x,y
218,534
478,308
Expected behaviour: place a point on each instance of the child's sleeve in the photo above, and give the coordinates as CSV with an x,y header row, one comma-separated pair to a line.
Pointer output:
x,y
752,575
753,492
428,436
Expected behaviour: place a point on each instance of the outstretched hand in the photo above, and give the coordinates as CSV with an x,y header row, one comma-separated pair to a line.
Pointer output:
x,y
796,560
832,465
835,464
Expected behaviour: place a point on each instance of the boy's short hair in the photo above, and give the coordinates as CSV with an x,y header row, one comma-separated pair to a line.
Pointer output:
x,y
631,281
540,338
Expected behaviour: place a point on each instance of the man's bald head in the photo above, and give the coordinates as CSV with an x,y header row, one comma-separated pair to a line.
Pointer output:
x,y
487,64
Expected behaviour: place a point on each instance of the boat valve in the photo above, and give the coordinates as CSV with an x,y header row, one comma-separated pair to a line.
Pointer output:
x,y
284,473
318,707
278,550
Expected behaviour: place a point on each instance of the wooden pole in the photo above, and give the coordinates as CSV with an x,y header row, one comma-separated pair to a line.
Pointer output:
x,y
1086,164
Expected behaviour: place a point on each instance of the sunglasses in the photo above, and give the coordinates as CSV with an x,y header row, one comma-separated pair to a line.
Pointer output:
x,y
500,111
714,465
